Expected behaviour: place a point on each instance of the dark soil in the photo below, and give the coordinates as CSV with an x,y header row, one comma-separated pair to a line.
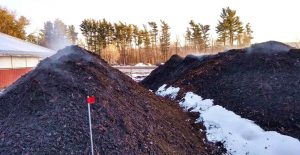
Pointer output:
x,y
261,86
45,112
171,71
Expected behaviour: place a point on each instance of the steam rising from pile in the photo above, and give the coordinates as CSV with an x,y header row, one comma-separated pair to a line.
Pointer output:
x,y
269,47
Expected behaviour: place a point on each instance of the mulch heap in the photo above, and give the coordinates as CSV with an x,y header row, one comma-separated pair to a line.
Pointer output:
x,y
261,83
45,112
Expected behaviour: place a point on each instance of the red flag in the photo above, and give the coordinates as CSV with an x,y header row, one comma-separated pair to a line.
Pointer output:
x,y
91,99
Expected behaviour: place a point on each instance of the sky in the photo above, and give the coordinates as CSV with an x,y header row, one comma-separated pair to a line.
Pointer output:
x,y
270,19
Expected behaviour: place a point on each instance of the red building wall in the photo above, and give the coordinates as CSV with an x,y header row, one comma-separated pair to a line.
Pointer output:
x,y
9,76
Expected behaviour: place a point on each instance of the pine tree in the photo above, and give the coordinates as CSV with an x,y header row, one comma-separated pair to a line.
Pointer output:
x,y
120,39
205,35
138,40
222,32
188,38
110,33
72,34
165,39
129,38
196,35
248,34
154,40
229,25
84,27
147,43
129,34
239,35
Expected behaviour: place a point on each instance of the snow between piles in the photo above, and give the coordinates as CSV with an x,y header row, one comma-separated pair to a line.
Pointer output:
x,y
240,136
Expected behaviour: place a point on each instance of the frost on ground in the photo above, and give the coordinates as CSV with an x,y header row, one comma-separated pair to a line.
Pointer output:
x,y
170,92
240,136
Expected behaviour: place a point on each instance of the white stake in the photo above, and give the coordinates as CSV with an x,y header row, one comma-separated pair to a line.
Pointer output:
x,y
91,134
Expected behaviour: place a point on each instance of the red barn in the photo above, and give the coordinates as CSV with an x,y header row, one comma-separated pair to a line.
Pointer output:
x,y
18,57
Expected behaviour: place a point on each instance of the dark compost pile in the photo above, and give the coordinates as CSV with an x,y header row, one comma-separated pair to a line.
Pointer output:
x,y
45,112
261,83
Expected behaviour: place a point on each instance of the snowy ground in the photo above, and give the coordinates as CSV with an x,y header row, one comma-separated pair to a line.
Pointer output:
x,y
240,136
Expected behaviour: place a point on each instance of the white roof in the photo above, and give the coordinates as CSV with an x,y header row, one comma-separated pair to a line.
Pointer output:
x,y
16,47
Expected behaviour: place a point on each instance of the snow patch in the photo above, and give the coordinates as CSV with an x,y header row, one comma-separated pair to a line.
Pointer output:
x,y
170,92
240,136
195,103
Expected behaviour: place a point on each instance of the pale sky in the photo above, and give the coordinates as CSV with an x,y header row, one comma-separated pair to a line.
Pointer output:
x,y
270,19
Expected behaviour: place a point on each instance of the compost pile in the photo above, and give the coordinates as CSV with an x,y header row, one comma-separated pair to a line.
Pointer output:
x,y
45,112
260,83
171,70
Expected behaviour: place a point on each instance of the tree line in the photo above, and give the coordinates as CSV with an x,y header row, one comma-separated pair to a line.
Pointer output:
x,y
122,43
134,44
151,42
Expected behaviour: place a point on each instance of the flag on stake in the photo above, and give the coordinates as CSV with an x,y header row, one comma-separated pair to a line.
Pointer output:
x,y
91,99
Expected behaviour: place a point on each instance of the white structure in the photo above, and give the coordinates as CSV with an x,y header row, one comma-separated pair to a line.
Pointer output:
x,y
17,57
16,53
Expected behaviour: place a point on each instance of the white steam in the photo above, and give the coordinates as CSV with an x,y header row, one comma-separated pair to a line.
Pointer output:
x,y
269,47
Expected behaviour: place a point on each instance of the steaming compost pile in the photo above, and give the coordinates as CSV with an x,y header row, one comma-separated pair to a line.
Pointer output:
x,y
260,83
171,70
45,112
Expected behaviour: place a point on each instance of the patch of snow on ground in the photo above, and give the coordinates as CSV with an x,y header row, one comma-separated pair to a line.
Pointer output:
x,y
195,103
240,136
170,92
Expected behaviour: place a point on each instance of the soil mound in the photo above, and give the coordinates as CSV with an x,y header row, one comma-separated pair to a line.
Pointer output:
x,y
171,70
258,85
45,112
